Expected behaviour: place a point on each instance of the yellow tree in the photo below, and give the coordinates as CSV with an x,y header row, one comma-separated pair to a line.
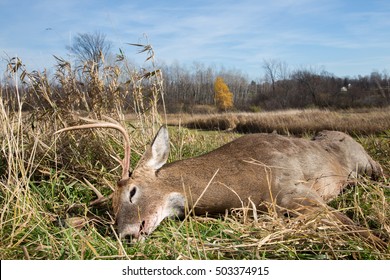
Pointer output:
x,y
223,97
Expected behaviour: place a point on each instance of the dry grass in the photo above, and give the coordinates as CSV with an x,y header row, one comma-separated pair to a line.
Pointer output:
x,y
45,195
45,212
297,122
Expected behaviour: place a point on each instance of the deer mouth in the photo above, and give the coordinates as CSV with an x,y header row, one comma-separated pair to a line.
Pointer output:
x,y
133,233
138,232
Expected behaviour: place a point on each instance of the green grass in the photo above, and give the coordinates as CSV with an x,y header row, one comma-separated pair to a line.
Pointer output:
x,y
45,197
45,213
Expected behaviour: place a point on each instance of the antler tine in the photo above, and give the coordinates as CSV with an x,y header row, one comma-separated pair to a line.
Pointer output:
x,y
117,126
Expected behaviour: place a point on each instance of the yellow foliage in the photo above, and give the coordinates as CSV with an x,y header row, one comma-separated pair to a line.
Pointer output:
x,y
223,97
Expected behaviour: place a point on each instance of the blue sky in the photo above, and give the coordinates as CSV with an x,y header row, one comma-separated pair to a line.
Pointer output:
x,y
347,38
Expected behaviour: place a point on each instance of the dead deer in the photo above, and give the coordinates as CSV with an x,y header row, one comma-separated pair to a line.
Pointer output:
x,y
295,175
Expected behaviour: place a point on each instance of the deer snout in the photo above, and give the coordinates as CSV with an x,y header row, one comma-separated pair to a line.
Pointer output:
x,y
133,232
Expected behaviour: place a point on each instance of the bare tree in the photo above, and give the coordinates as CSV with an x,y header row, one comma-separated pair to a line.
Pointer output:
x,y
90,48
311,82
275,70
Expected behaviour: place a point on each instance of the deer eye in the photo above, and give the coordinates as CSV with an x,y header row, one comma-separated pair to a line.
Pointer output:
x,y
132,193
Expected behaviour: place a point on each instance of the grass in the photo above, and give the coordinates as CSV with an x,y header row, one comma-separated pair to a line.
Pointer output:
x,y
45,194
296,122
45,213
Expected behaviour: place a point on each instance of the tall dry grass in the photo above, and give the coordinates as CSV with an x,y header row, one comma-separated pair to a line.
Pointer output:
x,y
46,179
46,194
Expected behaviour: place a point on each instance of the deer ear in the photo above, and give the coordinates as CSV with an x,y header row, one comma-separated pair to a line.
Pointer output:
x,y
157,154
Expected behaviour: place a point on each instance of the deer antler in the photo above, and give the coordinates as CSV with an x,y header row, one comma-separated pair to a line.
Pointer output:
x,y
114,125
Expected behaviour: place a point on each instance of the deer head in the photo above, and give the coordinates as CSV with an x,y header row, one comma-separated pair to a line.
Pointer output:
x,y
139,207
140,202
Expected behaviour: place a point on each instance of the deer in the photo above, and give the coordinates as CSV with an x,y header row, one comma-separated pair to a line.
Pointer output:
x,y
295,175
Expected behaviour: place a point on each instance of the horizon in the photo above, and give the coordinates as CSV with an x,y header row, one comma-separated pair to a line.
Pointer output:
x,y
345,38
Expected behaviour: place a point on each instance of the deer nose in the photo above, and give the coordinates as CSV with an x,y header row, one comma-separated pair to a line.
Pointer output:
x,y
133,233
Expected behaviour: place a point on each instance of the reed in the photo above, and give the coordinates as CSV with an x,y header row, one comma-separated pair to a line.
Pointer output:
x,y
45,179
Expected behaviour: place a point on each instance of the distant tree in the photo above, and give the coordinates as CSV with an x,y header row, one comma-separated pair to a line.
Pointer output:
x,y
275,70
222,95
310,83
90,47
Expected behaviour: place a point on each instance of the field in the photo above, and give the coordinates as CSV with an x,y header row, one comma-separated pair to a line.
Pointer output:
x,y
45,191
294,122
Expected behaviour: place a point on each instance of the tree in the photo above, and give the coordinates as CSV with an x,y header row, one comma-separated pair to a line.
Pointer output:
x,y
223,97
311,82
90,48
275,70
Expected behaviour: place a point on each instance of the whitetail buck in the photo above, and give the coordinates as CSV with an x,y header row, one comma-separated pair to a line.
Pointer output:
x,y
292,174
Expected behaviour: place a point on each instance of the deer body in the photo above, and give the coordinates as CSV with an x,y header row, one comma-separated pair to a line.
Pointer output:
x,y
295,175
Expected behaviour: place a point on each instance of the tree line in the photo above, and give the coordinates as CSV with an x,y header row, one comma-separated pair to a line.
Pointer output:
x,y
279,88
98,80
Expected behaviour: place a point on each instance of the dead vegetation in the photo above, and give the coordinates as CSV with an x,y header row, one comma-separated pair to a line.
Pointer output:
x,y
296,122
45,194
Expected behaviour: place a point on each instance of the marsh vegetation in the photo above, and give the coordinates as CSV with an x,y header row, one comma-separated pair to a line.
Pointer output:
x,y
46,178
